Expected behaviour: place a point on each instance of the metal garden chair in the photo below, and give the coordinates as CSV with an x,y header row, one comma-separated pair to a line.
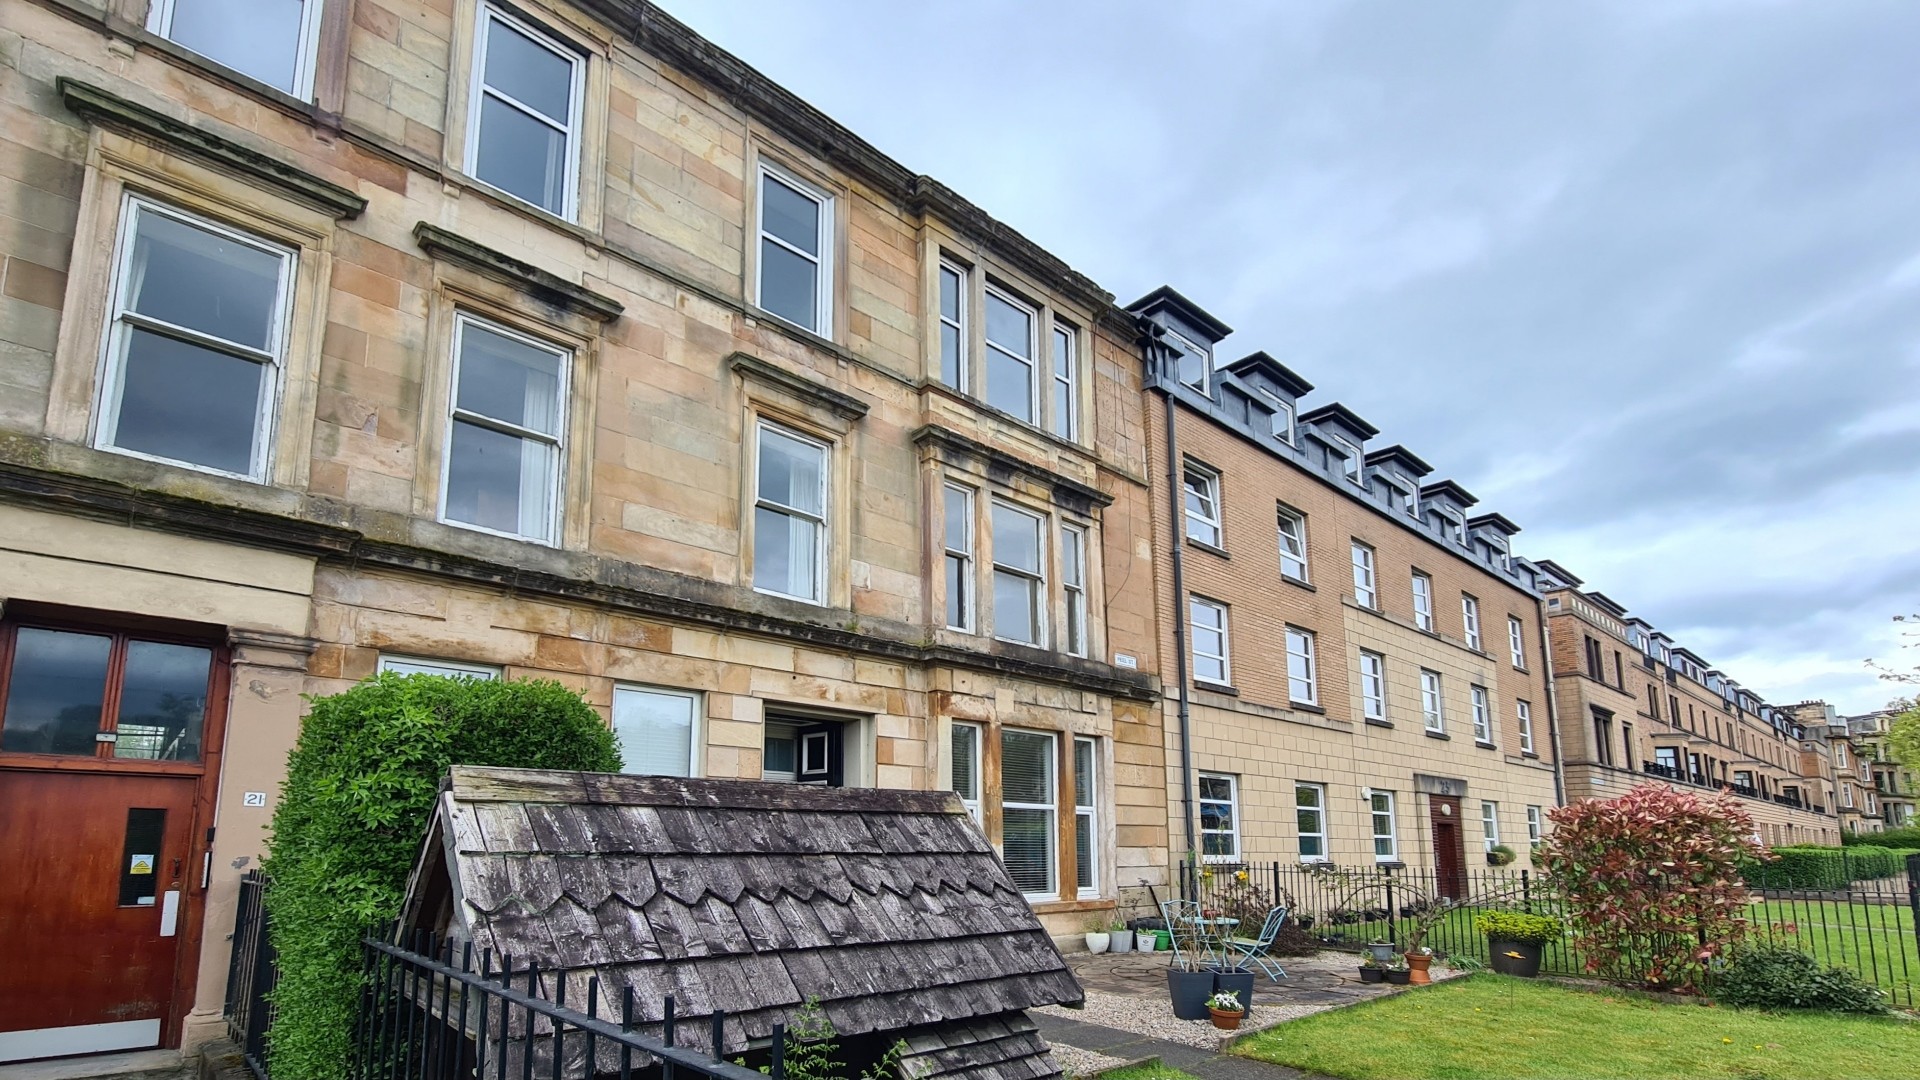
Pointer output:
x,y
1183,926
1254,950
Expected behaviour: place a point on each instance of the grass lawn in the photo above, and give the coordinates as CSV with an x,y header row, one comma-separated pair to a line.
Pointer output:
x,y
1148,1072
1489,1026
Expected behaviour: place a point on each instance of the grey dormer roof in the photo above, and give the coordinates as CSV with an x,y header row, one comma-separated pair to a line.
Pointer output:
x,y
889,907
1607,602
1448,491
1335,414
1399,459
1560,573
1260,369
1165,300
1497,522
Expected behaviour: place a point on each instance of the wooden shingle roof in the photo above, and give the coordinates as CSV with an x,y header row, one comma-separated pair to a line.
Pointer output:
x,y
888,907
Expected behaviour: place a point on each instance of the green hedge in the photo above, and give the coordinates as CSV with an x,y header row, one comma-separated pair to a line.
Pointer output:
x,y
360,788
1808,867
1908,837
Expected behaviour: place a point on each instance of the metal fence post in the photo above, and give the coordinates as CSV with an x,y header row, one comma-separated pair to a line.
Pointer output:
x,y
1913,891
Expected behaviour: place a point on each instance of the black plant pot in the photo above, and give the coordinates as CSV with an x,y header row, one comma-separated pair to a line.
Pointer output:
x,y
1189,991
1526,965
1241,983
1372,975
1399,976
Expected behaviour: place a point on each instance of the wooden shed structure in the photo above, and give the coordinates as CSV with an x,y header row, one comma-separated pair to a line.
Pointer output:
x,y
888,908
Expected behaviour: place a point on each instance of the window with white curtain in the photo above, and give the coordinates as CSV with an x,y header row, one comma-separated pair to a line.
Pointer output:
x,y
1011,369
269,40
1365,591
1064,419
954,294
790,515
198,337
1073,587
964,743
1470,620
1303,683
1373,685
1386,843
504,443
1209,631
657,730
1523,714
1293,544
1482,716
523,130
1086,817
1432,705
1019,578
452,669
796,250
1310,819
1028,812
1423,601
1219,817
958,525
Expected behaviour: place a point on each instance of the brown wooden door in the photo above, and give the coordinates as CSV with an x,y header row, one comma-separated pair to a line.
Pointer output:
x,y
94,873
1449,846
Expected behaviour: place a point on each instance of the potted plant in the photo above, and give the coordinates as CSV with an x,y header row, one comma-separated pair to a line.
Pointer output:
x,y
1188,987
1098,940
1122,937
1224,1007
1380,950
1515,938
1400,973
1372,969
1234,980
1500,855
1349,888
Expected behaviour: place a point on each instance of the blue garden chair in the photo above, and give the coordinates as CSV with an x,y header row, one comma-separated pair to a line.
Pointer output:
x,y
1254,950
1183,926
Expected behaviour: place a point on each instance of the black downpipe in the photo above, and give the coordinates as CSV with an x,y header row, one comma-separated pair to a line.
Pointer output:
x,y
1553,706
1156,360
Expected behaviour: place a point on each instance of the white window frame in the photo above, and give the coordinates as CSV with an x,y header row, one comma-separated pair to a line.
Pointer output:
x,y
1073,589
1392,835
1282,423
1366,581
963,366
1087,816
1320,809
1373,685
969,609
425,665
122,320
1535,826
556,482
1470,620
160,24
1296,551
1423,601
1482,715
1233,814
1195,606
1300,645
1355,466
1490,823
477,92
823,282
1031,360
1038,576
1517,641
1051,807
1063,404
1433,703
975,734
695,711
1205,385
822,523
1211,515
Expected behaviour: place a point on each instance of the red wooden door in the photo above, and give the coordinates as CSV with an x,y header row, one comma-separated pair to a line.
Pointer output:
x,y
94,869
1449,846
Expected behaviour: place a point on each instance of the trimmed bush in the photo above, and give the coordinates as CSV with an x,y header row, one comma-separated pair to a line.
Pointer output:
x,y
1809,867
360,787
1518,926
1777,977
1908,837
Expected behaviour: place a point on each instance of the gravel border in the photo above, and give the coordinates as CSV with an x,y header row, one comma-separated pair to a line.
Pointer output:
x,y
1078,1062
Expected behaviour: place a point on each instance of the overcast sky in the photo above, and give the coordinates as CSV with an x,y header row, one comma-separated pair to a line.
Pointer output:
x,y
1643,277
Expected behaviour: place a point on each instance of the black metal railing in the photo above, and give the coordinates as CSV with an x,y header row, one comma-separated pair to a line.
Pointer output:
x,y
252,972
1654,768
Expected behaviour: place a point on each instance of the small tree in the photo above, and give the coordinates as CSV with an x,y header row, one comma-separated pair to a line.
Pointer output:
x,y
1652,880
360,787
1903,734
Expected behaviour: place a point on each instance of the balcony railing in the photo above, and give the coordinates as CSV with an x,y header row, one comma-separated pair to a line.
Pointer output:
x,y
1654,768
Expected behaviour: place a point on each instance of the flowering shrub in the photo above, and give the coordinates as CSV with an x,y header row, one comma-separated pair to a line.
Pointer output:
x,y
1652,881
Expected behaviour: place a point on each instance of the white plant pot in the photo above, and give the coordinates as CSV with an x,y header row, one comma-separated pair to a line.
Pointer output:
x,y
1122,941
1098,943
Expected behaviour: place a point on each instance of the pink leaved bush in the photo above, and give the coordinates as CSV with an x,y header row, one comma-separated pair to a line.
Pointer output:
x,y
1652,881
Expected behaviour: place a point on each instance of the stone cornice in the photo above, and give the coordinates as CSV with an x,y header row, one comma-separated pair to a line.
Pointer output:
x,y
626,587
105,109
1065,490
843,405
504,268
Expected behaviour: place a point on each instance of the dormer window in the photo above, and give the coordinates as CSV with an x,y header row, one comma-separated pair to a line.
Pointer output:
x,y
1195,364
1351,465
1282,418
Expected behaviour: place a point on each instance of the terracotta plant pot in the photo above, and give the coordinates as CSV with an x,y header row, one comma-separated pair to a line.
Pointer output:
x,y
1373,975
1417,968
1224,1019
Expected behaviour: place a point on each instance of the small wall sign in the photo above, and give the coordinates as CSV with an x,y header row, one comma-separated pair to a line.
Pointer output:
x,y
139,864
253,798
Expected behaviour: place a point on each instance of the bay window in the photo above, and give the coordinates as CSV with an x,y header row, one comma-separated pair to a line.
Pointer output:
x,y
504,438
269,40
1019,577
523,127
790,515
1028,812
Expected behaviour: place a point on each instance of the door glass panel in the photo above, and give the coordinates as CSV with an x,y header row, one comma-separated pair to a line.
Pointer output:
x,y
140,856
54,692
163,702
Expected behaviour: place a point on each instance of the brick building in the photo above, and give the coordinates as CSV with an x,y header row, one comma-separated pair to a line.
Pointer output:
x,y
508,340
1365,677
1635,706
1895,787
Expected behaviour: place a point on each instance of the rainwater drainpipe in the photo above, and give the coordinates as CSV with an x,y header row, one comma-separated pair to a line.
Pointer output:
x,y
1553,708
1156,358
